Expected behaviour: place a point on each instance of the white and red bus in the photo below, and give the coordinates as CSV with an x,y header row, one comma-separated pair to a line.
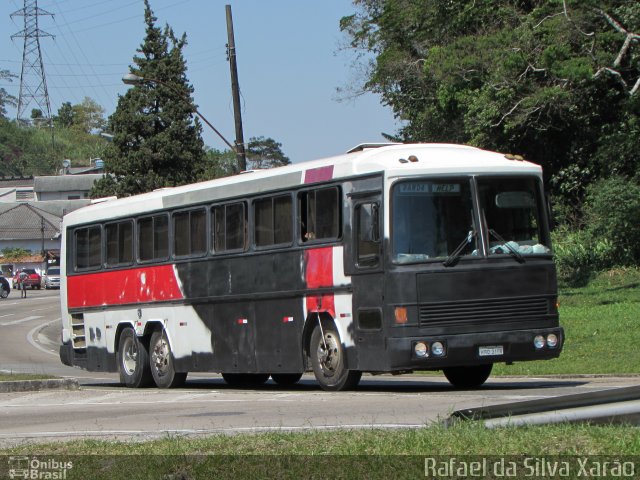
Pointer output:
x,y
390,258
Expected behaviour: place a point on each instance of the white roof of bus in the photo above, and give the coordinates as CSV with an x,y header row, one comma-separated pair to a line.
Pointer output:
x,y
393,159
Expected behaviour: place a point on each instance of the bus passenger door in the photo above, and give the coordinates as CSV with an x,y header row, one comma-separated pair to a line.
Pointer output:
x,y
367,281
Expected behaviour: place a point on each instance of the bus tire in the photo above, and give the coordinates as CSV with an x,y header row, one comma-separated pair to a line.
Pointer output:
x,y
468,377
133,360
245,379
162,364
329,363
286,379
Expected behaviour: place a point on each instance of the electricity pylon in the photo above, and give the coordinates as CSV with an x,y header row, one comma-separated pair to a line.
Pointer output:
x,y
33,84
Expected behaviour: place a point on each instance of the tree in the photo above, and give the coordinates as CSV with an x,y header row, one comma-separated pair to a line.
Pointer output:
x,y
5,98
156,139
555,80
266,153
218,164
65,115
87,116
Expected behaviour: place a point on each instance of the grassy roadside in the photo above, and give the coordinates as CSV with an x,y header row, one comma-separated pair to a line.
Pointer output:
x,y
344,454
601,324
14,377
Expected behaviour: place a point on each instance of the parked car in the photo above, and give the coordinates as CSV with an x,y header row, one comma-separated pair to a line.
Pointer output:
x,y
33,280
51,279
4,287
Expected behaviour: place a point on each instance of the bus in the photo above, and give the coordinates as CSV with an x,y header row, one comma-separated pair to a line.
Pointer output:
x,y
391,258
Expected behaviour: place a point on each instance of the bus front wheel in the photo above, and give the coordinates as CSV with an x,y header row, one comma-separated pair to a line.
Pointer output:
x,y
329,362
162,367
468,377
133,360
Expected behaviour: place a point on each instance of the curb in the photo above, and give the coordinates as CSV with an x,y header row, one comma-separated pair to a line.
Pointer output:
x,y
36,385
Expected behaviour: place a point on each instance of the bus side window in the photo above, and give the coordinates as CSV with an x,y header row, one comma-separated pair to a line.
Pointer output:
x,y
88,248
189,233
368,235
319,212
119,243
229,227
273,221
153,238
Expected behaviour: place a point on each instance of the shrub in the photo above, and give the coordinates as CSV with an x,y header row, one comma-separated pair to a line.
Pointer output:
x,y
579,255
612,214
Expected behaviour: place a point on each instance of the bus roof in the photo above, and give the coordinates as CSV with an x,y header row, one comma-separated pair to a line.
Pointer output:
x,y
394,160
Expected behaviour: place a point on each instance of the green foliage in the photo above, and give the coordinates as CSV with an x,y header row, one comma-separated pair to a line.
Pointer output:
x,y
532,77
87,116
610,235
218,164
28,150
579,256
5,98
156,140
612,212
14,253
65,115
266,153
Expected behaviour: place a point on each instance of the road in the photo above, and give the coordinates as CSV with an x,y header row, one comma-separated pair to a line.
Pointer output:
x,y
102,409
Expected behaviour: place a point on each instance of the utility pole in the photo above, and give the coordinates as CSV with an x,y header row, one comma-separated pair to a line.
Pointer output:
x,y
235,90
33,85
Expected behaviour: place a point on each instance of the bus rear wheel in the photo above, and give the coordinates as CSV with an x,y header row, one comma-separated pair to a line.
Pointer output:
x,y
468,377
286,379
133,360
161,362
328,360
245,379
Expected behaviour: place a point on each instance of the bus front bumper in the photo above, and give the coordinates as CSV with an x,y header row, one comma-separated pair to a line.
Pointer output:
x,y
439,351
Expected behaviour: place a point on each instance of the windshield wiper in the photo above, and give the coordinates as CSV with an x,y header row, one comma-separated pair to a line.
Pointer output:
x,y
515,253
455,255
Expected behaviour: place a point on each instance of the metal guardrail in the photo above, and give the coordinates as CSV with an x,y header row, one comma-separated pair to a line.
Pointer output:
x,y
619,405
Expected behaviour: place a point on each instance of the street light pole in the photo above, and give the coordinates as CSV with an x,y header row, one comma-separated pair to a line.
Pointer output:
x,y
133,79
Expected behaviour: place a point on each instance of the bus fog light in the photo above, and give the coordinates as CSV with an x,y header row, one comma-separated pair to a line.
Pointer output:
x,y
552,340
437,348
421,349
539,342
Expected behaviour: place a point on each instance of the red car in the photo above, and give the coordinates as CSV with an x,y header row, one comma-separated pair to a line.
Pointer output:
x,y
33,280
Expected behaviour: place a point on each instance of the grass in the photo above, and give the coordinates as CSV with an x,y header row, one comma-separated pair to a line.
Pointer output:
x,y
12,377
601,329
344,454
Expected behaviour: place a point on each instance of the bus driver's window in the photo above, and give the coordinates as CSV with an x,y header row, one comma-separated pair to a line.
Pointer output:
x,y
368,235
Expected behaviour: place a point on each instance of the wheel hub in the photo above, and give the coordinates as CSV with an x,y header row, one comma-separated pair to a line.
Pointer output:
x,y
329,354
130,357
160,356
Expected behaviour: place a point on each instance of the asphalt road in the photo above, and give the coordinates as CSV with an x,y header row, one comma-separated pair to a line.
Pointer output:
x,y
29,336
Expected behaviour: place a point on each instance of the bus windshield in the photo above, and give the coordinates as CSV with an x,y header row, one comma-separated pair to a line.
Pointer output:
x,y
434,220
511,209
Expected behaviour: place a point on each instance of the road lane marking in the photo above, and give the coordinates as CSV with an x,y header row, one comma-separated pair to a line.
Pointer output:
x,y
7,315
22,320
35,343
30,300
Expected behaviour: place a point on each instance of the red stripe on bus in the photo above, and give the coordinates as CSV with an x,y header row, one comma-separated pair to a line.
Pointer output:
x,y
136,285
320,174
318,274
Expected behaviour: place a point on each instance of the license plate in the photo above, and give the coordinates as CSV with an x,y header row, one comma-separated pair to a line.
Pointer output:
x,y
491,351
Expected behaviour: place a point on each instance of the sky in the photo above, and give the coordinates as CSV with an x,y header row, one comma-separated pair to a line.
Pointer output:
x,y
289,55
